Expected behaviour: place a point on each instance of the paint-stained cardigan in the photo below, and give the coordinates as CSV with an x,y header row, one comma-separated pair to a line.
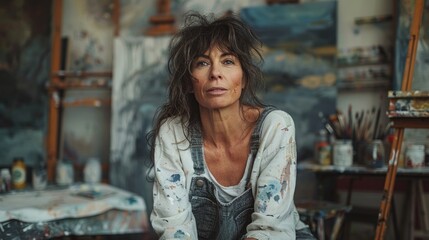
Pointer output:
x,y
273,180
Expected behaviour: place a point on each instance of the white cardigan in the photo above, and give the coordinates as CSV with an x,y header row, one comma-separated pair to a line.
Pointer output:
x,y
273,181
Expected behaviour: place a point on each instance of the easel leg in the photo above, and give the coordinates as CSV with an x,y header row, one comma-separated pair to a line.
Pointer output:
x,y
423,216
412,209
394,218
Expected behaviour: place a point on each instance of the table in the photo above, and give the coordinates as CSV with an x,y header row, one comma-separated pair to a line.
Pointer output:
x,y
361,170
415,198
77,210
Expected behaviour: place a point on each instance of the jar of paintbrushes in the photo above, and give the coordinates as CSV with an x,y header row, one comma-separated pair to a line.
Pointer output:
x,y
365,130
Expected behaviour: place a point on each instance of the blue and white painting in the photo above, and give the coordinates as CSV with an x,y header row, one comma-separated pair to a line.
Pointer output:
x,y
24,71
299,62
404,21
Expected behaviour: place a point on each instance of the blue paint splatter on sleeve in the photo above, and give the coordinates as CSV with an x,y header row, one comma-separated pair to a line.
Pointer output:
x,y
268,192
131,200
179,234
174,178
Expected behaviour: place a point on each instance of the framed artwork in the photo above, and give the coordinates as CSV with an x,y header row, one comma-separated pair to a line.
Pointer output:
x,y
88,27
24,71
299,63
405,14
139,88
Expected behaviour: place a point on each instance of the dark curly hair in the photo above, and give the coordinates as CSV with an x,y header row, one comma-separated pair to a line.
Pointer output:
x,y
199,34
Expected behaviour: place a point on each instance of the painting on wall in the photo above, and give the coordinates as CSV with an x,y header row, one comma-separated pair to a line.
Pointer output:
x,y
405,15
88,28
135,17
420,76
139,88
24,66
299,63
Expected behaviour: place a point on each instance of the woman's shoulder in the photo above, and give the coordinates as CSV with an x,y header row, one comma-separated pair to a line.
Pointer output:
x,y
275,115
171,124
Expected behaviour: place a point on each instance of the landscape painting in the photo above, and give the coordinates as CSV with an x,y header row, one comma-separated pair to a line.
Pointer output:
x,y
405,17
299,42
25,52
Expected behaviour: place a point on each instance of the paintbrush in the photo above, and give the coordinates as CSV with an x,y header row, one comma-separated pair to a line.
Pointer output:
x,y
355,128
342,124
377,119
387,129
367,126
336,125
350,121
359,125
330,130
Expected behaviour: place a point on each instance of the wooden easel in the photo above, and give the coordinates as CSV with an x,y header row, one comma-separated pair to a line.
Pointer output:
x,y
401,123
56,85
163,21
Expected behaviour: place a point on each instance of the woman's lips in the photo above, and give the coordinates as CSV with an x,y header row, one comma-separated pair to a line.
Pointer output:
x,y
216,91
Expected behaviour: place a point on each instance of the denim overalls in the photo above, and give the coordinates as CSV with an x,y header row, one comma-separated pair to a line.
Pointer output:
x,y
215,219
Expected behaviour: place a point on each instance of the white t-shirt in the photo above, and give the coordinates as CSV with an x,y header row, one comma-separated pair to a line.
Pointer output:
x,y
227,194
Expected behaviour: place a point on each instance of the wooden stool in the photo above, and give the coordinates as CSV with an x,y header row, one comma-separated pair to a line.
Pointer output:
x,y
316,213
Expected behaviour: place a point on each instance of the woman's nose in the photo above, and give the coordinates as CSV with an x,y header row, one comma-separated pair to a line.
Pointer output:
x,y
215,72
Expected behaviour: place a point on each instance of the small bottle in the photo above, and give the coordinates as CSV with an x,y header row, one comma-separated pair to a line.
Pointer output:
x,y
19,173
427,155
323,148
415,156
374,155
39,177
64,173
6,180
92,171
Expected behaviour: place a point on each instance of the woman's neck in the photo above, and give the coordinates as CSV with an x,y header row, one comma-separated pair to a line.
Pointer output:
x,y
227,127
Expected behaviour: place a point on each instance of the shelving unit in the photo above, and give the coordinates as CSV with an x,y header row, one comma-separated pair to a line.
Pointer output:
x,y
373,19
366,67
364,75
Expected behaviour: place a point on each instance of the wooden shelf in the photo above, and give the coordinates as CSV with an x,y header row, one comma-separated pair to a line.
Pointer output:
x,y
364,75
373,19
77,79
87,102
410,122
363,84
362,64
81,74
80,84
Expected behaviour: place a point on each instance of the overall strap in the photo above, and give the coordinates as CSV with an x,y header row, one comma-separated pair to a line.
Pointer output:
x,y
254,141
197,150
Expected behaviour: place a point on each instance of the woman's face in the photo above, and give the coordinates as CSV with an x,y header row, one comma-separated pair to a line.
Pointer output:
x,y
217,79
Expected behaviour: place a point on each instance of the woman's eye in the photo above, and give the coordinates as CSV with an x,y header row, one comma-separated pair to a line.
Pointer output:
x,y
228,62
201,63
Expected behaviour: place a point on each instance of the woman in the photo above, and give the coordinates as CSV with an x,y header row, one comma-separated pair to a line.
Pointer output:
x,y
224,163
